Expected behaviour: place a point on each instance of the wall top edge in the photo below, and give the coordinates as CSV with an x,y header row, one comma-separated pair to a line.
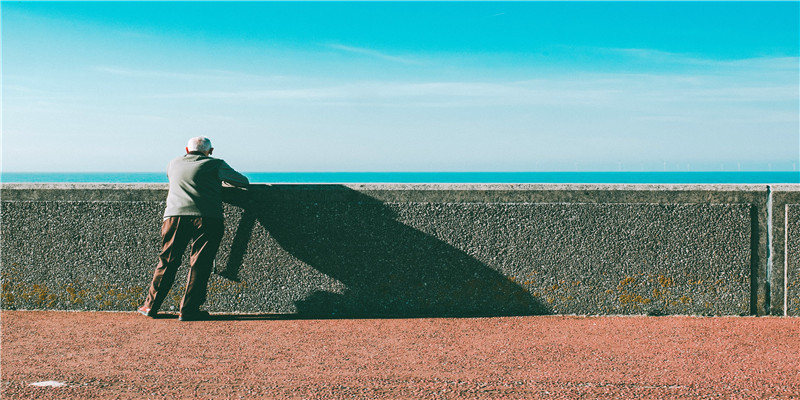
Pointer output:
x,y
786,187
420,186
83,186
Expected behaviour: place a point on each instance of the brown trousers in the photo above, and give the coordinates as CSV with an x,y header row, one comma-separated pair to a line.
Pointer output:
x,y
176,233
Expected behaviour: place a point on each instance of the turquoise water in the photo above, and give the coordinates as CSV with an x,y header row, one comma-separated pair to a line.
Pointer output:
x,y
766,177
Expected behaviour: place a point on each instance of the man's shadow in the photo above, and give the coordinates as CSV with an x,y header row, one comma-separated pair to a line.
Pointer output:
x,y
389,269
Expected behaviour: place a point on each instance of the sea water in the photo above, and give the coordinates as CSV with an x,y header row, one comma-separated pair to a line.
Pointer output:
x,y
729,177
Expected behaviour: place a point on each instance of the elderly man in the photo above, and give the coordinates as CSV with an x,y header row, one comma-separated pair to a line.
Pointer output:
x,y
193,213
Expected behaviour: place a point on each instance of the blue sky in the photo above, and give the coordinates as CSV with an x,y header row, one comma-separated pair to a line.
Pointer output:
x,y
446,86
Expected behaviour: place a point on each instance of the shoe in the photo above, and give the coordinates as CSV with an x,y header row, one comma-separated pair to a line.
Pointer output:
x,y
147,312
194,316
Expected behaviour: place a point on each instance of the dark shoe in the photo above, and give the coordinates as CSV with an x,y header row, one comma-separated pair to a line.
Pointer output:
x,y
147,312
194,316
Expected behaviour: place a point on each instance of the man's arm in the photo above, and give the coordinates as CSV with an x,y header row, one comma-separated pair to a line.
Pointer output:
x,y
229,175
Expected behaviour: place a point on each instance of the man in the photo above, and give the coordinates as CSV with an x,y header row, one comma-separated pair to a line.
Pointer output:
x,y
193,213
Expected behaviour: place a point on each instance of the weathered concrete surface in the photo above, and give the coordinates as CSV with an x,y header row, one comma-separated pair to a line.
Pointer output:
x,y
792,272
785,271
405,250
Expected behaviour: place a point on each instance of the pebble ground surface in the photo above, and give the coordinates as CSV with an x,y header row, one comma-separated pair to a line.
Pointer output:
x,y
128,356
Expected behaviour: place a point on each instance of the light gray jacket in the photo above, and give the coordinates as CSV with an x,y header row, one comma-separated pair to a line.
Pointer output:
x,y
195,185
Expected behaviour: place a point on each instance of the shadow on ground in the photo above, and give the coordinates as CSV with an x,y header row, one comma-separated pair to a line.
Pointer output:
x,y
236,317
388,268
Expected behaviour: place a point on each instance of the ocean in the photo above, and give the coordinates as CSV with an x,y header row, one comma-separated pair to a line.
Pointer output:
x,y
729,177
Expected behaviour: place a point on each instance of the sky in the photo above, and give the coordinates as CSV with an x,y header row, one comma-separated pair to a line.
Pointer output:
x,y
402,86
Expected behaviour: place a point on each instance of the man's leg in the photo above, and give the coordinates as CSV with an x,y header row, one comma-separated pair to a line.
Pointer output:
x,y
175,234
208,236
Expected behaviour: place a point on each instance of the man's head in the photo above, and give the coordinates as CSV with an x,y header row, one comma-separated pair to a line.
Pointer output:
x,y
201,144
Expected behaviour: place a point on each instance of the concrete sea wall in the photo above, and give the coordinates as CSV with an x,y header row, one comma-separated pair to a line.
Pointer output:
x,y
381,250
785,260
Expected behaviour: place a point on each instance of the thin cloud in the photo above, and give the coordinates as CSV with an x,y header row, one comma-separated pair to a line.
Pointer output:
x,y
373,53
414,94
251,95
598,90
658,56
148,74
202,75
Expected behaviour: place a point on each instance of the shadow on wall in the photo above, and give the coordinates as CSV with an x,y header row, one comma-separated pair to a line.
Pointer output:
x,y
388,268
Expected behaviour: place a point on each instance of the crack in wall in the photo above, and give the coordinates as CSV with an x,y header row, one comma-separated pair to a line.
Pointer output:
x,y
768,283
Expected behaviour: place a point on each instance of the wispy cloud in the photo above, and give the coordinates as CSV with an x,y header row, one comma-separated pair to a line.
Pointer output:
x,y
255,95
415,94
632,100
199,75
374,53
671,58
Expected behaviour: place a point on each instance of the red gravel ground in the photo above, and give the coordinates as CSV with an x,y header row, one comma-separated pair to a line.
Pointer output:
x,y
128,356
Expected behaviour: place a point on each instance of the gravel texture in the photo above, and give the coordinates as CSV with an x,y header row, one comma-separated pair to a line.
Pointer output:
x,y
376,251
128,356
785,250
792,254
